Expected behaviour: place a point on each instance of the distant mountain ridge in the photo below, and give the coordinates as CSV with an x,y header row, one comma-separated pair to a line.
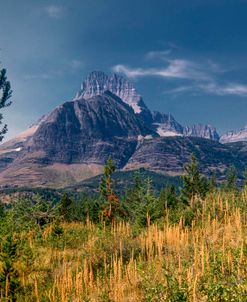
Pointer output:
x,y
203,131
109,118
234,136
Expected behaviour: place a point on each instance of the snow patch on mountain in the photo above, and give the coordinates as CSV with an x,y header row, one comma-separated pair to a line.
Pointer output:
x,y
234,136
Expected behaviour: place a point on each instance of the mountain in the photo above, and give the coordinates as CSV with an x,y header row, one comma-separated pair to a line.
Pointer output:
x,y
234,136
166,125
203,131
73,142
170,154
106,118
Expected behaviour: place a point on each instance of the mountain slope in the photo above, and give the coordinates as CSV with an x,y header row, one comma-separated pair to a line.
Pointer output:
x,y
203,131
166,125
73,142
170,154
234,136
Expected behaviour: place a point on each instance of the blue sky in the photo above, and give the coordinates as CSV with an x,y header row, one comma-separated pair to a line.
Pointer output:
x,y
188,58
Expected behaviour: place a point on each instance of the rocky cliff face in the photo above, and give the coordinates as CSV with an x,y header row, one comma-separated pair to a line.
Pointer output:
x,y
203,131
234,136
89,131
166,125
97,82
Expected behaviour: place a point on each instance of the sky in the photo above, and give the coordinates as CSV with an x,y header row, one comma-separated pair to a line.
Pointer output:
x,y
187,58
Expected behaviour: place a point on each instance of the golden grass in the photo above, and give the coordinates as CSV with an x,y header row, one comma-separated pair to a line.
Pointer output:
x,y
114,264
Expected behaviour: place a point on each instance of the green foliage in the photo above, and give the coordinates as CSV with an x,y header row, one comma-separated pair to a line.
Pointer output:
x,y
168,197
28,212
231,182
64,207
5,94
223,292
245,178
9,279
2,211
171,292
105,188
149,209
111,208
212,185
32,226
194,184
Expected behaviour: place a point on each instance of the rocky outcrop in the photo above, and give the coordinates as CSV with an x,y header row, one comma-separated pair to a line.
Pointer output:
x,y
203,131
97,82
166,125
234,136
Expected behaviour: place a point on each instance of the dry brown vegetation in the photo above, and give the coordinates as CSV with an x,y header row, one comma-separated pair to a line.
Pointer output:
x,y
203,261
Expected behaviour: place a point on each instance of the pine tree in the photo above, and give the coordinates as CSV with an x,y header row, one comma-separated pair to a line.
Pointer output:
x,y
149,209
2,211
194,184
245,178
9,279
64,206
231,182
111,207
168,197
212,183
5,94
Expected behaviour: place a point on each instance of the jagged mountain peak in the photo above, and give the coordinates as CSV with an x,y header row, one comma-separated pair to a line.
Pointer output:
x,y
97,82
204,131
166,125
234,136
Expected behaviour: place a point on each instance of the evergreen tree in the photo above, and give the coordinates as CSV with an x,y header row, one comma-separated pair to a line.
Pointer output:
x,y
245,178
5,94
194,184
2,211
149,209
111,204
64,206
135,193
168,197
212,186
231,181
9,279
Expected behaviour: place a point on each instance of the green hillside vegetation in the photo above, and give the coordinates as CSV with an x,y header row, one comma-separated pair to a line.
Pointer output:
x,y
125,179
181,243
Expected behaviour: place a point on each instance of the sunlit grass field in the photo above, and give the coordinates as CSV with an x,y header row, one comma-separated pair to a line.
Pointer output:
x,y
203,258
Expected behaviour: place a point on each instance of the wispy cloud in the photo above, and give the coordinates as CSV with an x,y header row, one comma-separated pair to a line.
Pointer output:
x,y
215,88
55,11
76,64
226,89
176,68
196,77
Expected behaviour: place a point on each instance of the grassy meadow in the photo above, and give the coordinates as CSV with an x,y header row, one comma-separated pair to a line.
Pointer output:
x,y
157,249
